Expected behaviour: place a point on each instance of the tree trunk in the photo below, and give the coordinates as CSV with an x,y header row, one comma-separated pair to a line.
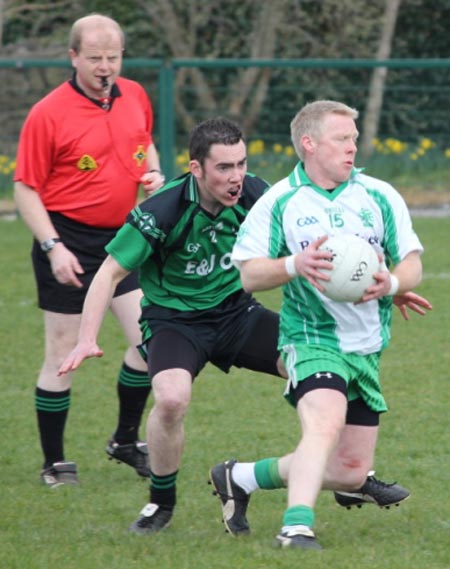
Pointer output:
x,y
378,80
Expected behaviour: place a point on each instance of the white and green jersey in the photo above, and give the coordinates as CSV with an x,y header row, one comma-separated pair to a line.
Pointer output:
x,y
295,212
182,252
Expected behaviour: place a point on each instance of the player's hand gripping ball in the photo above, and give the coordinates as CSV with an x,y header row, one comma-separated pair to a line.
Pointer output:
x,y
354,263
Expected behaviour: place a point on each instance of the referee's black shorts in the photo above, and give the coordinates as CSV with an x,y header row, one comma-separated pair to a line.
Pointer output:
x,y
238,332
88,244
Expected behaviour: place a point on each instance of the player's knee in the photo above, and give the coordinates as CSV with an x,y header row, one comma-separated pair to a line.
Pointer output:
x,y
172,394
353,472
171,408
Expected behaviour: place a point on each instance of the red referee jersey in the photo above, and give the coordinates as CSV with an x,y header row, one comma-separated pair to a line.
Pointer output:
x,y
86,162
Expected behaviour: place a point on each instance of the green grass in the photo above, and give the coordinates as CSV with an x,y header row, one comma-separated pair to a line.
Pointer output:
x,y
242,415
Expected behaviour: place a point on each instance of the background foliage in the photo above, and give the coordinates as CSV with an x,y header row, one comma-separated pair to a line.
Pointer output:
x,y
262,99
227,28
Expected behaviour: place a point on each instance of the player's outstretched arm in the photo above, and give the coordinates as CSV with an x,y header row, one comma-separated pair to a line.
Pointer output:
x,y
98,300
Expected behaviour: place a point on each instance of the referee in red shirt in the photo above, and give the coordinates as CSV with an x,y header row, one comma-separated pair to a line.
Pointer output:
x,y
83,152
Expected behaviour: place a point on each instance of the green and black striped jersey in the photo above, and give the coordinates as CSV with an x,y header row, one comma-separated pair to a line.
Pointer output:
x,y
183,252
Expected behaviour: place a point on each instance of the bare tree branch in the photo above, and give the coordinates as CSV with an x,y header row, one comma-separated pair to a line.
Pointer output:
x,y
13,9
181,39
263,46
259,98
10,9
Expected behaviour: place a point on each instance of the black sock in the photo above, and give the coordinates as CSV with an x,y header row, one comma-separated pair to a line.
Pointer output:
x,y
52,408
163,490
133,388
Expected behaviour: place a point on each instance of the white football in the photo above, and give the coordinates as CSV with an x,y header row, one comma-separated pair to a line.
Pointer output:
x,y
354,263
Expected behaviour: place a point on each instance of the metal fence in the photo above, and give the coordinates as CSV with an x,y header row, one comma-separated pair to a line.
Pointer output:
x,y
416,97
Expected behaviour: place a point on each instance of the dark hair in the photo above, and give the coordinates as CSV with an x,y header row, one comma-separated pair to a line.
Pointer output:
x,y
212,131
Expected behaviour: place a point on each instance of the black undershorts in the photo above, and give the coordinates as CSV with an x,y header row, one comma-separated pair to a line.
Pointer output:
x,y
358,412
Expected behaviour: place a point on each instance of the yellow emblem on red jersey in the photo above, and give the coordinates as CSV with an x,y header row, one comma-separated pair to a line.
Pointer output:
x,y
86,162
140,155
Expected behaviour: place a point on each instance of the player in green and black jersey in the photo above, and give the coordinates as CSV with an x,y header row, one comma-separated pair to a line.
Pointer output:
x,y
194,309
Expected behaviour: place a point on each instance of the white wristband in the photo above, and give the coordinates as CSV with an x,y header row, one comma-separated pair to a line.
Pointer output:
x,y
289,265
394,286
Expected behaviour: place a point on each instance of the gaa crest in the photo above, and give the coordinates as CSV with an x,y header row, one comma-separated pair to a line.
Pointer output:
x,y
140,155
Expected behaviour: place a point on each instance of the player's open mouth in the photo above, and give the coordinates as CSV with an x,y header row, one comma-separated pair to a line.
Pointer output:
x,y
234,193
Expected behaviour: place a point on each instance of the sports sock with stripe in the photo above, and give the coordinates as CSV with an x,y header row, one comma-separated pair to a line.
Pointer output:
x,y
52,408
263,474
133,388
163,490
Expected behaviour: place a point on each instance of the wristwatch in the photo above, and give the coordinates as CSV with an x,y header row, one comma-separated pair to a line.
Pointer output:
x,y
48,244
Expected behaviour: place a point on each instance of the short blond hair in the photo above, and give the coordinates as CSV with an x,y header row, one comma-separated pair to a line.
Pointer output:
x,y
309,120
92,22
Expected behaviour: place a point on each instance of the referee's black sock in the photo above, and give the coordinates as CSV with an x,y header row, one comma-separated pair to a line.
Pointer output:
x,y
163,490
52,408
133,388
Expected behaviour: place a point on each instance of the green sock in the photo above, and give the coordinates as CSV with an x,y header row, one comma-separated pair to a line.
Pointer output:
x,y
299,516
267,475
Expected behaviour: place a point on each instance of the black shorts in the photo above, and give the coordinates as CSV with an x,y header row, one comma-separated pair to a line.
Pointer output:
x,y
239,332
88,244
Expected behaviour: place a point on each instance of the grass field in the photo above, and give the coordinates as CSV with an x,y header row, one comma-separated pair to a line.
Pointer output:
x,y
238,415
